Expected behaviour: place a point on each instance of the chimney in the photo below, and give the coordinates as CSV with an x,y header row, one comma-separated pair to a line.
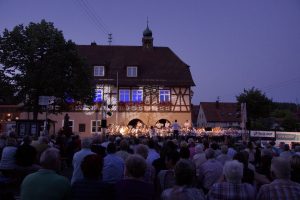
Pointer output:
x,y
93,43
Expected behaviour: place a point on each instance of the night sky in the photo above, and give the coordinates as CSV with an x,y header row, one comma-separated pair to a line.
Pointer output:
x,y
228,44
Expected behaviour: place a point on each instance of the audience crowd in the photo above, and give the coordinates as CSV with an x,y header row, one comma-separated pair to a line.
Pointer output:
x,y
114,167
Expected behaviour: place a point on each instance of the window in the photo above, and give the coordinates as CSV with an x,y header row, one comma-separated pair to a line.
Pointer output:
x,y
81,128
137,95
94,126
164,96
98,95
132,71
98,70
124,95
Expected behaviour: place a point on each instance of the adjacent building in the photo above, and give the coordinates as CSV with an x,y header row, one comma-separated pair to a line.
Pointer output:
x,y
219,114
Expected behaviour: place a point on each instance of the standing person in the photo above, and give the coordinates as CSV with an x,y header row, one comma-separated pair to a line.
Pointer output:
x,y
176,128
78,158
46,184
282,187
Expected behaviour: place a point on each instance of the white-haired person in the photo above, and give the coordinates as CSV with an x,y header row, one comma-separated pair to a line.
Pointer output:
x,y
78,158
232,188
46,184
281,187
185,175
223,157
210,172
199,158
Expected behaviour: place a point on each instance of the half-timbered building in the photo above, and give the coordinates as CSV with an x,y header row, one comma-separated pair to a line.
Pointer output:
x,y
146,84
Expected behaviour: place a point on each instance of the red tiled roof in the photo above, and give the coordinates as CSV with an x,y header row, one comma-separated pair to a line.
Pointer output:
x,y
223,112
157,66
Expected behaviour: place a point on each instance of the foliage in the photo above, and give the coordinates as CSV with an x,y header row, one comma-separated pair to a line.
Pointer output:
x,y
40,62
259,106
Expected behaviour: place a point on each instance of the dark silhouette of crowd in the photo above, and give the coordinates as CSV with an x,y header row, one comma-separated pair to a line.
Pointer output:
x,y
117,167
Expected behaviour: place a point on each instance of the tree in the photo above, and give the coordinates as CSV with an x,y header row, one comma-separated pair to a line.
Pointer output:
x,y
40,62
259,106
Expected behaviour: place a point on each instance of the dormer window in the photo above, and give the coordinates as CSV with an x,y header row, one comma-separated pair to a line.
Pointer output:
x,y
132,71
98,70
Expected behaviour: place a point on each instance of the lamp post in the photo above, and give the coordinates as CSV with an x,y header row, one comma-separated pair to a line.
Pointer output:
x,y
96,113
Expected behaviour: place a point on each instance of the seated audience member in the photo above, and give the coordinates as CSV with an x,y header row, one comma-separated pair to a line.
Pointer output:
x,y
123,152
26,154
8,158
248,174
132,187
91,187
295,168
185,174
152,153
223,157
233,188
287,154
211,171
113,167
40,145
282,187
166,178
199,158
142,150
46,184
78,157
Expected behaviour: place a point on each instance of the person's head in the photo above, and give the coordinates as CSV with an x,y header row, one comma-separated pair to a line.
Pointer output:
x,y
142,150
224,149
135,166
124,145
241,157
27,139
209,153
233,171
86,143
91,166
175,120
151,143
297,148
185,173
111,148
286,147
184,153
280,168
171,158
199,148
50,159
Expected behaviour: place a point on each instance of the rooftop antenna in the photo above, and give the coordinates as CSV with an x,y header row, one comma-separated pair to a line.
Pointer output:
x,y
109,38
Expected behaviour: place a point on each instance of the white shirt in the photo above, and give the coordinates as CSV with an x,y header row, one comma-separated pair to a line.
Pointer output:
x,y
77,160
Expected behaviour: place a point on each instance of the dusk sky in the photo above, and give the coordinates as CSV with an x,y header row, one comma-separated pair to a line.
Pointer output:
x,y
228,44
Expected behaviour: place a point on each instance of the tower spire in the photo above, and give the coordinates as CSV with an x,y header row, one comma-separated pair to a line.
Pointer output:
x,y
147,37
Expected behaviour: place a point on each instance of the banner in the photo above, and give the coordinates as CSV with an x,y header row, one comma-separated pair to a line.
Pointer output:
x,y
262,134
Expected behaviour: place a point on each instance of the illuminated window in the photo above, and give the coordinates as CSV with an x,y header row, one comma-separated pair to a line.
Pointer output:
x,y
137,95
164,95
132,71
98,95
98,70
124,95
93,128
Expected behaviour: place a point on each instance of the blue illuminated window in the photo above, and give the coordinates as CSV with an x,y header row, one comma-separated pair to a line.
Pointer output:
x,y
137,95
98,95
98,70
132,71
164,96
124,95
